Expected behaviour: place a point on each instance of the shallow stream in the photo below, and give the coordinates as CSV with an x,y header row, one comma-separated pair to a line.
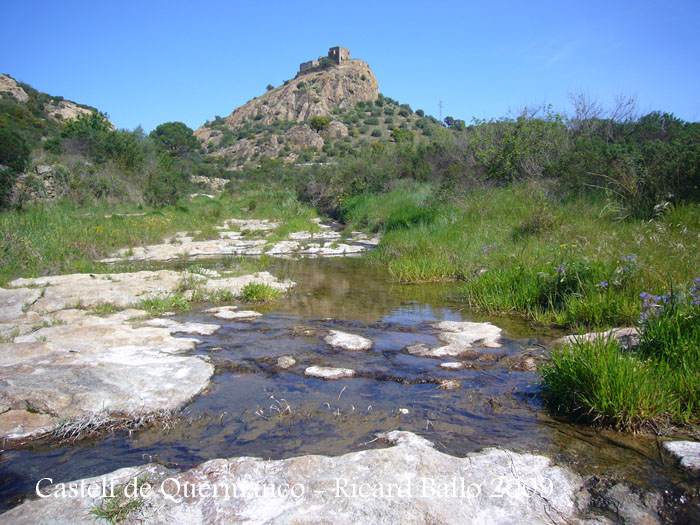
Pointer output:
x,y
255,408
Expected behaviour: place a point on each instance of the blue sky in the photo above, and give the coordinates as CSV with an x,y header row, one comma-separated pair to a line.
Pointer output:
x,y
150,62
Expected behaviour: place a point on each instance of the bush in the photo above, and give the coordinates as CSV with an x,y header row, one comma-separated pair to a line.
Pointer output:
x,y
319,123
376,133
166,184
14,155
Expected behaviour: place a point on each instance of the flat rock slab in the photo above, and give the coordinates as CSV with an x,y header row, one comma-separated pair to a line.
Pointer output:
x,y
96,365
347,341
246,240
232,312
627,337
327,372
409,482
462,338
686,453
125,289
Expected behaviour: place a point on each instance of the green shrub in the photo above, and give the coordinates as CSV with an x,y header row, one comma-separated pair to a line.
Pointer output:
x,y
376,133
319,123
166,184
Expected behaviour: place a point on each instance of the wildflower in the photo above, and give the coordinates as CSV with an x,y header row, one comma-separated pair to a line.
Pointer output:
x,y
561,269
632,257
602,284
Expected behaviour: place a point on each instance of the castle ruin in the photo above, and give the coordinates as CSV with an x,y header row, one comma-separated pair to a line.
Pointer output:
x,y
337,54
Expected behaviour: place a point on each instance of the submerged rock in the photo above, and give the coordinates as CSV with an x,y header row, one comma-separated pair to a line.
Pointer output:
x,y
461,338
409,482
449,384
686,453
286,361
347,341
327,372
452,365
232,312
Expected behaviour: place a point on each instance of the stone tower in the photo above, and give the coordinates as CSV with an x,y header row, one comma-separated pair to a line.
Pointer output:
x,y
339,54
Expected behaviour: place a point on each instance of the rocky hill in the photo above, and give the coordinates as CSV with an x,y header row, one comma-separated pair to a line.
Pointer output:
x,y
33,114
277,124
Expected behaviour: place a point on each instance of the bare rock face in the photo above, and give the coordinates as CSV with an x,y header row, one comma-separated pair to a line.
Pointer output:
x,y
66,110
337,130
9,86
66,363
303,137
409,482
312,93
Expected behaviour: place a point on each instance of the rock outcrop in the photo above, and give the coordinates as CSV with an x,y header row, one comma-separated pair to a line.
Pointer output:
x,y
312,93
63,362
9,86
409,482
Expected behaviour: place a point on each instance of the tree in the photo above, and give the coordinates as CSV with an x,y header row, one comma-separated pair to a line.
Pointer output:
x,y
270,87
319,123
174,138
14,154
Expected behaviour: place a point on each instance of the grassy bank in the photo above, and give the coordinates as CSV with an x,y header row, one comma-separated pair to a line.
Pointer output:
x,y
514,250
63,237
653,386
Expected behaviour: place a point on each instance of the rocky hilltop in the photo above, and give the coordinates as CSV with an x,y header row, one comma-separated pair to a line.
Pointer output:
x,y
55,108
263,126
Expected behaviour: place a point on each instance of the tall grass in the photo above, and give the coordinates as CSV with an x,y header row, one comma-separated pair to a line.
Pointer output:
x,y
570,263
62,237
652,386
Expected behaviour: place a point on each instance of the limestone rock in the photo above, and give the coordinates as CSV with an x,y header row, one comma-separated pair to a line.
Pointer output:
x,y
347,341
303,137
286,361
461,337
686,453
95,365
627,337
231,312
9,86
327,372
409,482
337,130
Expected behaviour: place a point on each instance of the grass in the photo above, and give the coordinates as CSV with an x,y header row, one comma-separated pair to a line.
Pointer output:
x,y
117,508
566,263
61,237
259,293
652,386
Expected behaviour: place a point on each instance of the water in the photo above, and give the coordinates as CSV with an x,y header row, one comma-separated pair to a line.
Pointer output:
x,y
254,408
